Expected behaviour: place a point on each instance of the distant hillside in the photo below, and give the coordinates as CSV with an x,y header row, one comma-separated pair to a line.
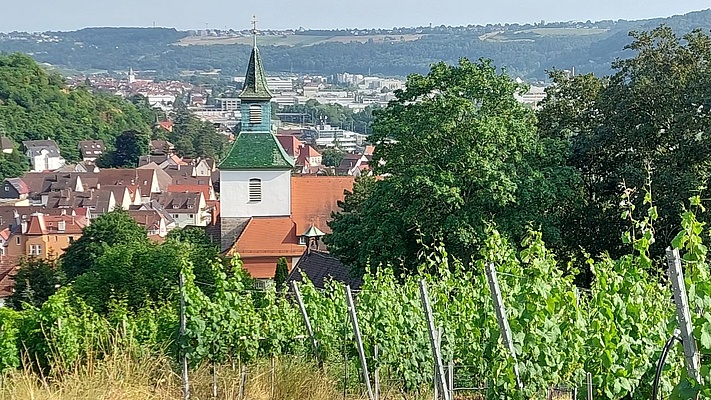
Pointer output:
x,y
524,50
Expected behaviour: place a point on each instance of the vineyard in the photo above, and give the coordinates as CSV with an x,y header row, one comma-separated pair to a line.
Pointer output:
x,y
614,330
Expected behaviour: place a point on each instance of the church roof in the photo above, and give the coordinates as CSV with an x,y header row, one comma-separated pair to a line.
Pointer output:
x,y
255,82
254,150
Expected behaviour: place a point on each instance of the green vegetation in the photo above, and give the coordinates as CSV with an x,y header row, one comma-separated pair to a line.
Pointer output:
x,y
651,115
281,273
194,138
470,178
35,105
460,151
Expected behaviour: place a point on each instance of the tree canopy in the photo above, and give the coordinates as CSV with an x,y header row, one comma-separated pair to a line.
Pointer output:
x,y
459,151
110,229
650,118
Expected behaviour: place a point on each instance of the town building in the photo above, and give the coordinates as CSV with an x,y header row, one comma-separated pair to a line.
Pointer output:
x,y
44,155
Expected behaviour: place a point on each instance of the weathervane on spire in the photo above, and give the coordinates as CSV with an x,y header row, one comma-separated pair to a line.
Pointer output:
x,y
254,29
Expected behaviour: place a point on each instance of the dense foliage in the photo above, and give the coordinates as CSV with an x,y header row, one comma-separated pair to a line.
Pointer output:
x,y
652,115
35,104
459,151
194,138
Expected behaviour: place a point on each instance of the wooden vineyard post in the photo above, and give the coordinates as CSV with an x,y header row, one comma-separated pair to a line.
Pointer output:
x,y
307,322
186,382
501,317
433,341
359,342
683,315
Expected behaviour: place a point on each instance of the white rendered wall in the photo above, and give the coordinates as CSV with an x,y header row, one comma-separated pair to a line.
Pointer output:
x,y
234,194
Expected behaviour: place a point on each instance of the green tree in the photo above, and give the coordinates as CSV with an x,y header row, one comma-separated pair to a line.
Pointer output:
x,y
332,157
35,281
112,228
459,151
281,274
651,116
13,165
130,146
139,273
204,254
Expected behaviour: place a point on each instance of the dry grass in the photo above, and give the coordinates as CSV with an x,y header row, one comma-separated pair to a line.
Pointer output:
x,y
124,376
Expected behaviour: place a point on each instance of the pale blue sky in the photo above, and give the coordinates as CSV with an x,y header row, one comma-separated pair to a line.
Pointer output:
x,y
41,15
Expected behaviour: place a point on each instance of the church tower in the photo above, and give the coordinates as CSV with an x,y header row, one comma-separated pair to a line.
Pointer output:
x,y
255,177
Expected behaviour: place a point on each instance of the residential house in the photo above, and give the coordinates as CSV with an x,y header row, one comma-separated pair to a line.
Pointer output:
x,y
291,144
157,224
7,145
43,154
163,179
14,188
146,180
125,196
45,236
91,149
188,209
354,164
161,147
309,161
99,201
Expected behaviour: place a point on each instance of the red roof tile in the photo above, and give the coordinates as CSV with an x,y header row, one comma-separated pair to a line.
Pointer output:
x,y
268,237
314,198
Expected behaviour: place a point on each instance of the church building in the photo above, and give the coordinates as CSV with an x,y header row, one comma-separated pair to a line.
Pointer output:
x,y
266,213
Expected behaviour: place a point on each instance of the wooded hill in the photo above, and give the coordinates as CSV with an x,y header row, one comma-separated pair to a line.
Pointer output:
x,y
527,50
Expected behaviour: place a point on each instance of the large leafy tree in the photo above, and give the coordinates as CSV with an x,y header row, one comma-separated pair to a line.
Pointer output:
x,y
651,117
110,229
459,152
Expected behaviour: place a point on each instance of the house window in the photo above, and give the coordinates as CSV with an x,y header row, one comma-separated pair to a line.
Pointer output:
x,y
17,240
7,188
2,251
255,190
302,240
35,249
71,239
255,114
192,216
61,226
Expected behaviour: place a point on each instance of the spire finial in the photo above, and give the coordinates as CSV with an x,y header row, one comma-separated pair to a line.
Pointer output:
x,y
254,29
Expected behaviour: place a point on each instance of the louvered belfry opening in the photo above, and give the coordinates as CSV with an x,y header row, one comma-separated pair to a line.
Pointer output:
x,y
255,190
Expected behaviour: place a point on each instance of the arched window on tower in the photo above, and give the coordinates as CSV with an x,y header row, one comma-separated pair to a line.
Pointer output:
x,y
255,190
255,114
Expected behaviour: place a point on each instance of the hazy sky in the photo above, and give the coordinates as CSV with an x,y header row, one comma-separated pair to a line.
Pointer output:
x,y
42,15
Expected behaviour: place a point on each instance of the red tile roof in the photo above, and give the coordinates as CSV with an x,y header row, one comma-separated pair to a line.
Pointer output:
x,y
314,198
291,145
268,237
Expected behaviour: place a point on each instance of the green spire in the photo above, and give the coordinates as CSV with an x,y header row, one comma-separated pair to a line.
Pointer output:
x,y
255,82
